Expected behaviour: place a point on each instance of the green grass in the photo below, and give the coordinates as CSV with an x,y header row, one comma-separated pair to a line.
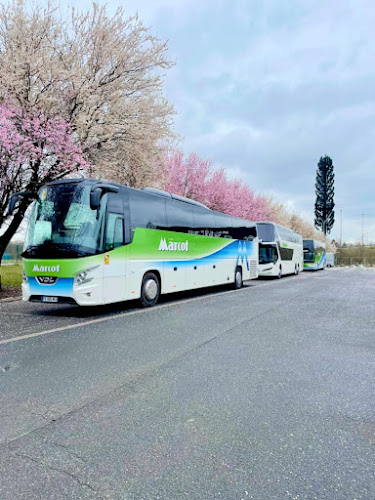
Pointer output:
x,y
11,276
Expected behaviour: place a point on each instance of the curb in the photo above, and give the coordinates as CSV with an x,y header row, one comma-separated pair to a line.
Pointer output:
x,y
11,299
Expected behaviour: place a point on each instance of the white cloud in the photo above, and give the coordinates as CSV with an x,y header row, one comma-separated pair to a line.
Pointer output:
x,y
265,88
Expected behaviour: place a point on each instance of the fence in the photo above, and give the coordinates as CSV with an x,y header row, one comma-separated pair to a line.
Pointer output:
x,y
12,253
356,256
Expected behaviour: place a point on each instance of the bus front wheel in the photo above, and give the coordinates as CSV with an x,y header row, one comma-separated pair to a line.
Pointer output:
x,y
150,291
238,278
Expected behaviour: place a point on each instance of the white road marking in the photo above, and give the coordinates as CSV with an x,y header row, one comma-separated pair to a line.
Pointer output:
x,y
133,313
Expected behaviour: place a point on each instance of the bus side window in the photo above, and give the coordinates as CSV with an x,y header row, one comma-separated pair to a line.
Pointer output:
x,y
286,253
180,216
114,232
118,233
147,211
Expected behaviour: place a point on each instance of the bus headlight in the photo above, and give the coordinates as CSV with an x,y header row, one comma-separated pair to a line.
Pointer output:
x,y
84,276
24,277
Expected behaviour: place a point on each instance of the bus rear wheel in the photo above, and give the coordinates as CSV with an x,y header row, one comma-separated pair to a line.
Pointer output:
x,y
238,279
150,290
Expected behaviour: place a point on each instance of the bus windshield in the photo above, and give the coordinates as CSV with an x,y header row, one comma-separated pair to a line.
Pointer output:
x,y
308,255
309,251
267,254
62,224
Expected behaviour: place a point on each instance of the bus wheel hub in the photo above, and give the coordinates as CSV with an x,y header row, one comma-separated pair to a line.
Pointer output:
x,y
238,278
151,289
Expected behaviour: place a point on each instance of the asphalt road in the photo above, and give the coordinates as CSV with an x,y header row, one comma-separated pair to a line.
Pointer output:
x,y
264,393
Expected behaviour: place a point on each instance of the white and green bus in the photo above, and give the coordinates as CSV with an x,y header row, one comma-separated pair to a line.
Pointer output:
x,y
280,250
90,242
314,255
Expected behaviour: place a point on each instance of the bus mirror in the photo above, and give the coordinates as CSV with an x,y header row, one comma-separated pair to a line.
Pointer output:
x,y
98,191
95,197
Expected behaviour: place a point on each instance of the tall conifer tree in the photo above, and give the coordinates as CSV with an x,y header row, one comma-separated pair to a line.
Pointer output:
x,y
324,204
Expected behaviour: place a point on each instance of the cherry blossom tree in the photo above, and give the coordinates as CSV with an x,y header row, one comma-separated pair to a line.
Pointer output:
x,y
102,72
34,149
196,178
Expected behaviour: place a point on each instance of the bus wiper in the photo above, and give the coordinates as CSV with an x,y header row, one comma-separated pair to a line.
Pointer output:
x,y
30,251
47,250
68,248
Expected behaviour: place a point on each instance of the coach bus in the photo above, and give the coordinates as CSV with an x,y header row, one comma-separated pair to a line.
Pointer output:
x,y
91,242
314,255
280,250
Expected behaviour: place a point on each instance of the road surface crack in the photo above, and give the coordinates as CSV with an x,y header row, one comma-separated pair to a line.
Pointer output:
x,y
67,450
57,469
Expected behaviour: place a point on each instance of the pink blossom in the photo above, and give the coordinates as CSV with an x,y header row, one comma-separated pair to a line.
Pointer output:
x,y
35,148
196,178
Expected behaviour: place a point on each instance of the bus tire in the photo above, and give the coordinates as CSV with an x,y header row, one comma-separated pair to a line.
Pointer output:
x,y
280,274
296,270
238,278
150,290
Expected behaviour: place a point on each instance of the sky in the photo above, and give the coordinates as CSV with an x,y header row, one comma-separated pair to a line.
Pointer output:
x,y
264,88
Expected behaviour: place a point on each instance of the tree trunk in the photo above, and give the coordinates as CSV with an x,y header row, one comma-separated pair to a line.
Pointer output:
x,y
7,236
12,228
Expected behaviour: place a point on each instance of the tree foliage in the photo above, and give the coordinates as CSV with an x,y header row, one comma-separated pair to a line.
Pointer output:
x,y
196,178
102,74
86,79
34,149
324,189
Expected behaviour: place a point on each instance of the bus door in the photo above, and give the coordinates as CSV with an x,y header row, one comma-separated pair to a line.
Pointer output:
x,y
115,253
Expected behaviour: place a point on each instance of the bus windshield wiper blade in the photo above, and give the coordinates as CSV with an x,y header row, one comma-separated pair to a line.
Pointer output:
x,y
31,251
67,247
47,250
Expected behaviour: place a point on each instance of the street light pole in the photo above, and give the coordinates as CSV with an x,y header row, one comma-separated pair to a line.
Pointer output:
x,y
362,227
340,228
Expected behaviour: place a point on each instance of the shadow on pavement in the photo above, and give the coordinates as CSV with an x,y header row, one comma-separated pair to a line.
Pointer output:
x,y
74,311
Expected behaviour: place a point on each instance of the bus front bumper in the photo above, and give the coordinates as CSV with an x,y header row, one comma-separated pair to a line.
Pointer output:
x,y
267,270
88,294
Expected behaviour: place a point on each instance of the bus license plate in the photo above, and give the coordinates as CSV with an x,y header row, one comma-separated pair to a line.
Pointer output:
x,y
49,299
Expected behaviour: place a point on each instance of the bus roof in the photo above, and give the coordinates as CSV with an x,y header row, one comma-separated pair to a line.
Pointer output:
x,y
269,223
315,243
277,232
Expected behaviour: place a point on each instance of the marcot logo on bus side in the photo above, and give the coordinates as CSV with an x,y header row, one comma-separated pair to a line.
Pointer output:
x,y
46,269
172,246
